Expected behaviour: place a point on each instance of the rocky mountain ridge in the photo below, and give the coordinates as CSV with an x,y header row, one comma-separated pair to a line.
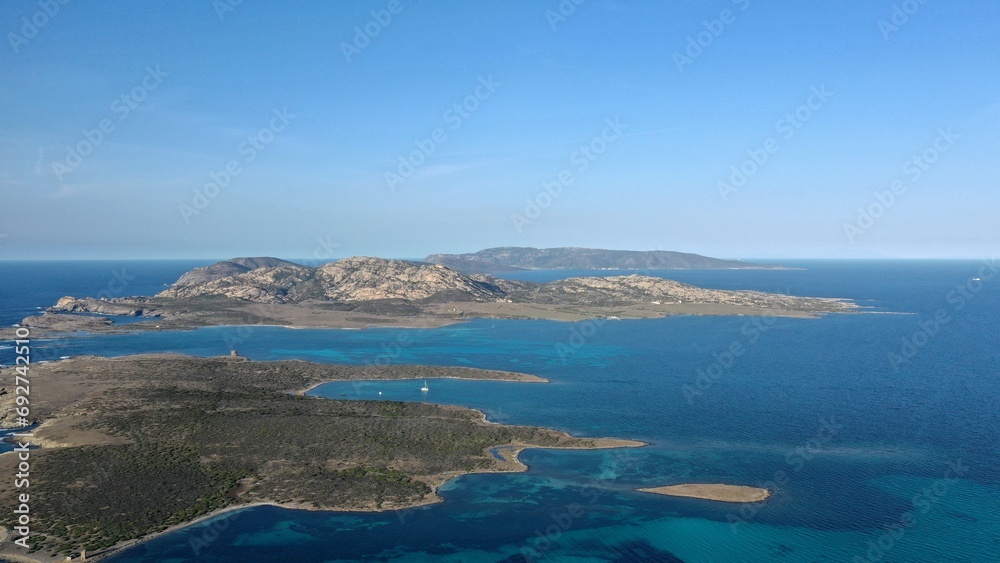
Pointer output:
x,y
231,267
359,278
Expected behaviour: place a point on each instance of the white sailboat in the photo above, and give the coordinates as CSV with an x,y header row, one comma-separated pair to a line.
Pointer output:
x,y
424,388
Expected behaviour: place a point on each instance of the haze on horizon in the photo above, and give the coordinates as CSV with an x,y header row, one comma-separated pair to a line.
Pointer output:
x,y
396,128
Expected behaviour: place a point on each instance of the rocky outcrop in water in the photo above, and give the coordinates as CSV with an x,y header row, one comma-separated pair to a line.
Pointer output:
x,y
117,306
352,279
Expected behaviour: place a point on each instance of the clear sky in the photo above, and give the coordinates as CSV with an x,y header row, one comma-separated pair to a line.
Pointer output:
x,y
429,127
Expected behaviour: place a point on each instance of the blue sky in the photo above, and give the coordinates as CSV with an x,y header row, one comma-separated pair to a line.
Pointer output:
x,y
313,117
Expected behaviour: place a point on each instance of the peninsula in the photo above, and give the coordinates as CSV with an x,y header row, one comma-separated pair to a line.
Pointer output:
x,y
360,292
138,445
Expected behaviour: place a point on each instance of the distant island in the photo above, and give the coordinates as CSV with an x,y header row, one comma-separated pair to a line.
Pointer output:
x,y
362,291
140,445
515,258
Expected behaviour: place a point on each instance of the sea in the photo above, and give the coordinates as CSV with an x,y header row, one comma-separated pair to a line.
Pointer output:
x,y
878,432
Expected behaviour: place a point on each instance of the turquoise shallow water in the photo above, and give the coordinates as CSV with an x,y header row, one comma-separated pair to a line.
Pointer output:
x,y
869,462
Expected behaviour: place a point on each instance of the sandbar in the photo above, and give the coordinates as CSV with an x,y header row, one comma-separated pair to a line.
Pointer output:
x,y
712,491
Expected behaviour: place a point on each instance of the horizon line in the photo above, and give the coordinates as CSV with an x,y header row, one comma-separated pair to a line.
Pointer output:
x,y
421,259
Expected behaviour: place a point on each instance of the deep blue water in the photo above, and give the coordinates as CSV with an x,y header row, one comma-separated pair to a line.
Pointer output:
x,y
27,286
871,458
